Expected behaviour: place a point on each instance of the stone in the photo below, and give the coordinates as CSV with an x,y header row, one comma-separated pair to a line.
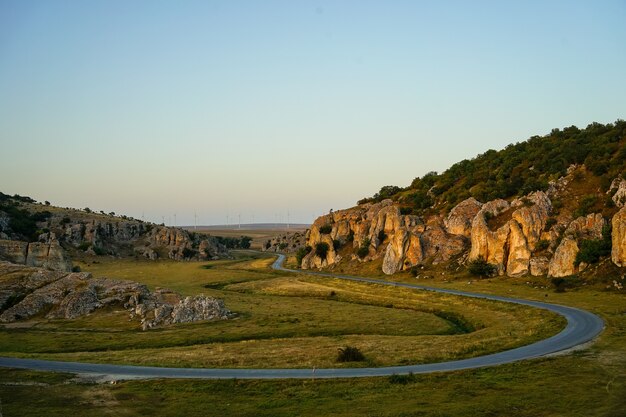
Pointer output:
x,y
459,220
618,251
519,254
26,292
539,266
618,187
562,263
13,251
587,227
532,219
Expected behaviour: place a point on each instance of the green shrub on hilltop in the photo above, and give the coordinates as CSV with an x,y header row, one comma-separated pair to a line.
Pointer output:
x,y
520,168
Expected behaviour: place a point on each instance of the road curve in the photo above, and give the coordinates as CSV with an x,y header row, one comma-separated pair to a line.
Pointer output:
x,y
582,327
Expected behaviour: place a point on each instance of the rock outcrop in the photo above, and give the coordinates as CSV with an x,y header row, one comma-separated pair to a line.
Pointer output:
x,y
179,244
618,250
515,237
26,292
459,221
402,240
618,189
286,242
48,255
562,263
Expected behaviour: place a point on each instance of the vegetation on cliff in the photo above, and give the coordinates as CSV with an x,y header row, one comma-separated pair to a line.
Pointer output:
x,y
519,168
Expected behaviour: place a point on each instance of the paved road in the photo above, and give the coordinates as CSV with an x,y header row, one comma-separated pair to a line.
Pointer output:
x,y
582,327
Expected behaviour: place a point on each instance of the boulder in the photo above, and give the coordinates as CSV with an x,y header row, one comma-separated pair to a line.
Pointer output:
x,y
539,266
13,251
459,221
532,218
618,251
519,253
562,263
26,292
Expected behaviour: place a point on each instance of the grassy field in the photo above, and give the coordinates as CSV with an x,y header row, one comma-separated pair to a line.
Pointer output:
x,y
300,321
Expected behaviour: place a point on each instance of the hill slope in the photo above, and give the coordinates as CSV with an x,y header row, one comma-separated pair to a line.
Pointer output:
x,y
40,235
550,206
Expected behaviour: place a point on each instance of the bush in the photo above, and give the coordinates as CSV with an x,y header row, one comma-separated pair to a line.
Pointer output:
x,y
84,246
542,245
326,229
321,250
585,205
189,253
336,244
350,354
559,284
402,379
480,267
364,249
350,237
99,251
406,210
301,253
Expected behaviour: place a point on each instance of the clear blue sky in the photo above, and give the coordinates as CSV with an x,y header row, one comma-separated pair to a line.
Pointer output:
x,y
268,107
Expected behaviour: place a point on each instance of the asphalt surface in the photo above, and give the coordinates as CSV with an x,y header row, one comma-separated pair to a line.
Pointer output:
x,y
581,328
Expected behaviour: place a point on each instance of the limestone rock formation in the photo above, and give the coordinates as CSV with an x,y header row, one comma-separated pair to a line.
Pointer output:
x,y
26,292
285,242
459,221
180,245
618,251
618,188
539,266
562,263
40,254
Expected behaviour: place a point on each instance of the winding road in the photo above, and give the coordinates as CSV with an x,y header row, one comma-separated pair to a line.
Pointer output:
x,y
581,328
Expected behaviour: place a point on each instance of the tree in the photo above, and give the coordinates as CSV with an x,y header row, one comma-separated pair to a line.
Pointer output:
x,y
480,267
321,250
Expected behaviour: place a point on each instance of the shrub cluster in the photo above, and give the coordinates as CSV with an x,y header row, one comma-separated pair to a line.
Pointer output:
x,y
350,354
481,268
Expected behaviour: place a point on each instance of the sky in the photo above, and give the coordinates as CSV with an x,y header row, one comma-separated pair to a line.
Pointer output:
x,y
281,110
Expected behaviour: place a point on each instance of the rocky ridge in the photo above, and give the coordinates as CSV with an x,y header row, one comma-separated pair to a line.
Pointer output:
x,y
28,292
71,230
285,242
520,237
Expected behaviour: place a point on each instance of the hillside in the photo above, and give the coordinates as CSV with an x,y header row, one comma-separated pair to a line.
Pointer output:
x,y
39,234
518,169
551,206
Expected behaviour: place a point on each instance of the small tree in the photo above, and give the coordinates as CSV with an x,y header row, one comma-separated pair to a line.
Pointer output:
x,y
301,253
321,250
364,250
326,229
480,267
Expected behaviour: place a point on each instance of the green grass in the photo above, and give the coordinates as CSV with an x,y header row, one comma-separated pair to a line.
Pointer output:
x,y
282,321
587,383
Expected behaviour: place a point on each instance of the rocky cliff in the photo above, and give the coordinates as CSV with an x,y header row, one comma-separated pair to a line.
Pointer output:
x,y
285,242
519,237
27,292
48,254
42,232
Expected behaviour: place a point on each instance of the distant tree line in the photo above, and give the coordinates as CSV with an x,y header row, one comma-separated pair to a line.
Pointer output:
x,y
241,242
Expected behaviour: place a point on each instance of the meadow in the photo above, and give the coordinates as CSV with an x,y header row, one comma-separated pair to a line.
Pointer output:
x,y
300,321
